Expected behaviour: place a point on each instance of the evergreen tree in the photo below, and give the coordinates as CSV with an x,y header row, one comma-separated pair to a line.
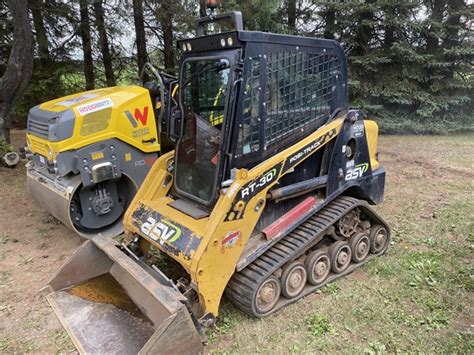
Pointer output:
x,y
410,61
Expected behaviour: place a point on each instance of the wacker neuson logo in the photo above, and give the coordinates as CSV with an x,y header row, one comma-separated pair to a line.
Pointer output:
x,y
138,116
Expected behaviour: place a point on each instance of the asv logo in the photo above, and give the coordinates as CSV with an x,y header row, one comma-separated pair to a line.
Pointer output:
x,y
357,171
138,116
160,231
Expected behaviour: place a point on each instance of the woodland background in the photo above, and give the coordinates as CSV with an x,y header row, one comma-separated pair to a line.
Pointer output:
x,y
410,61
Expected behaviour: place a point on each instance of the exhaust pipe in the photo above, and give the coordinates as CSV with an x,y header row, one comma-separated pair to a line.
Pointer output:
x,y
109,304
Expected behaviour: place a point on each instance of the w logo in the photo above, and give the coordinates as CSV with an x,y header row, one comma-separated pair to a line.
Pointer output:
x,y
138,115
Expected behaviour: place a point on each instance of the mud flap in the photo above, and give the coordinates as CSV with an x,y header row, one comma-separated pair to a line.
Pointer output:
x,y
109,304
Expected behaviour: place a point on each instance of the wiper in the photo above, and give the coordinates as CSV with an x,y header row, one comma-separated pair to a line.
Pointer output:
x,y
216,67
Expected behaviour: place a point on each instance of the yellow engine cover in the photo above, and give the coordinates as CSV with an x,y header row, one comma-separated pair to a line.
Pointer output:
x,y
125,113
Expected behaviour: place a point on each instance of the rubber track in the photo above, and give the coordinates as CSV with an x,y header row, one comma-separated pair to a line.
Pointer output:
x,y
243,284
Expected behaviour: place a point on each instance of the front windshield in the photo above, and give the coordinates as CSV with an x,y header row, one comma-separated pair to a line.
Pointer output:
x,y
203,93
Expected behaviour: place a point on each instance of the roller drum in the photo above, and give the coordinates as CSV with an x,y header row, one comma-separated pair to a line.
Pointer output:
x,y
54,194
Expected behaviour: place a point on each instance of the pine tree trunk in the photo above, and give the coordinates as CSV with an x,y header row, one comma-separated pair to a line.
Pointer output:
x,y
389,30
202,8
168,46
19,67
436,16
36,7
453,24
86,45
364,31
104,43
330,17
166,21
140,33
292,16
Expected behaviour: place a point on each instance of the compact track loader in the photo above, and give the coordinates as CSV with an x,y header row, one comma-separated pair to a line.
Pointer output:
x,y
265,198
89,152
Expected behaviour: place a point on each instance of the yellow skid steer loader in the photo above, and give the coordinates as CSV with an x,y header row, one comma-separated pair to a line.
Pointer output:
x,y
265,198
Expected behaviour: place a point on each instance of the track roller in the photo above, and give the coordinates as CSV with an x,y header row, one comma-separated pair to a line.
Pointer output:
x,y
360,246
318,265
267,295
293,279
340,254
379,239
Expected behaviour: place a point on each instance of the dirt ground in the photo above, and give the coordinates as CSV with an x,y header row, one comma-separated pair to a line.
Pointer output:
x,y
418,297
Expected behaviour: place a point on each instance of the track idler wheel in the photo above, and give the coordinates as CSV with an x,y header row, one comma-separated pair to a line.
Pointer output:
x,y
267,295
293,279
318,265
340,254
379,239
360,247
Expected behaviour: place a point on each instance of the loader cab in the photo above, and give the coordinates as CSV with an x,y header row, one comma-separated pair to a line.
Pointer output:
x,y
245,96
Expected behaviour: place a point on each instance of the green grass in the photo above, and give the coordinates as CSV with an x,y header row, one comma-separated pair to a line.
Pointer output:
x,y
319,325
418,297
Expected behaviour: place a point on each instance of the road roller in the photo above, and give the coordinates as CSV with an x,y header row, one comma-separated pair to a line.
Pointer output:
x,y
267,197
88,153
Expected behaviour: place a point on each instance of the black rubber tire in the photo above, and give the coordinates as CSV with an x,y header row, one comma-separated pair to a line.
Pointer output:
x,y
262,311
360,247
285,279
312,261
338,265
378,246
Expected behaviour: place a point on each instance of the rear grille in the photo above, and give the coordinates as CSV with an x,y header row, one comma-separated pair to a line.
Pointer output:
x,y
37,128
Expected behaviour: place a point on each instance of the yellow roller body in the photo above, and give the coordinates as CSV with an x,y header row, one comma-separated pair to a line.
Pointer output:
x,y
69,137
93,125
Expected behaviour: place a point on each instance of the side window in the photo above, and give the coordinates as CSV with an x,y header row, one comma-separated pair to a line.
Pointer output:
x,y
249,131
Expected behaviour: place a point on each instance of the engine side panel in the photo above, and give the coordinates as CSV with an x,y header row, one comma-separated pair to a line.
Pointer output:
x,y
353,167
